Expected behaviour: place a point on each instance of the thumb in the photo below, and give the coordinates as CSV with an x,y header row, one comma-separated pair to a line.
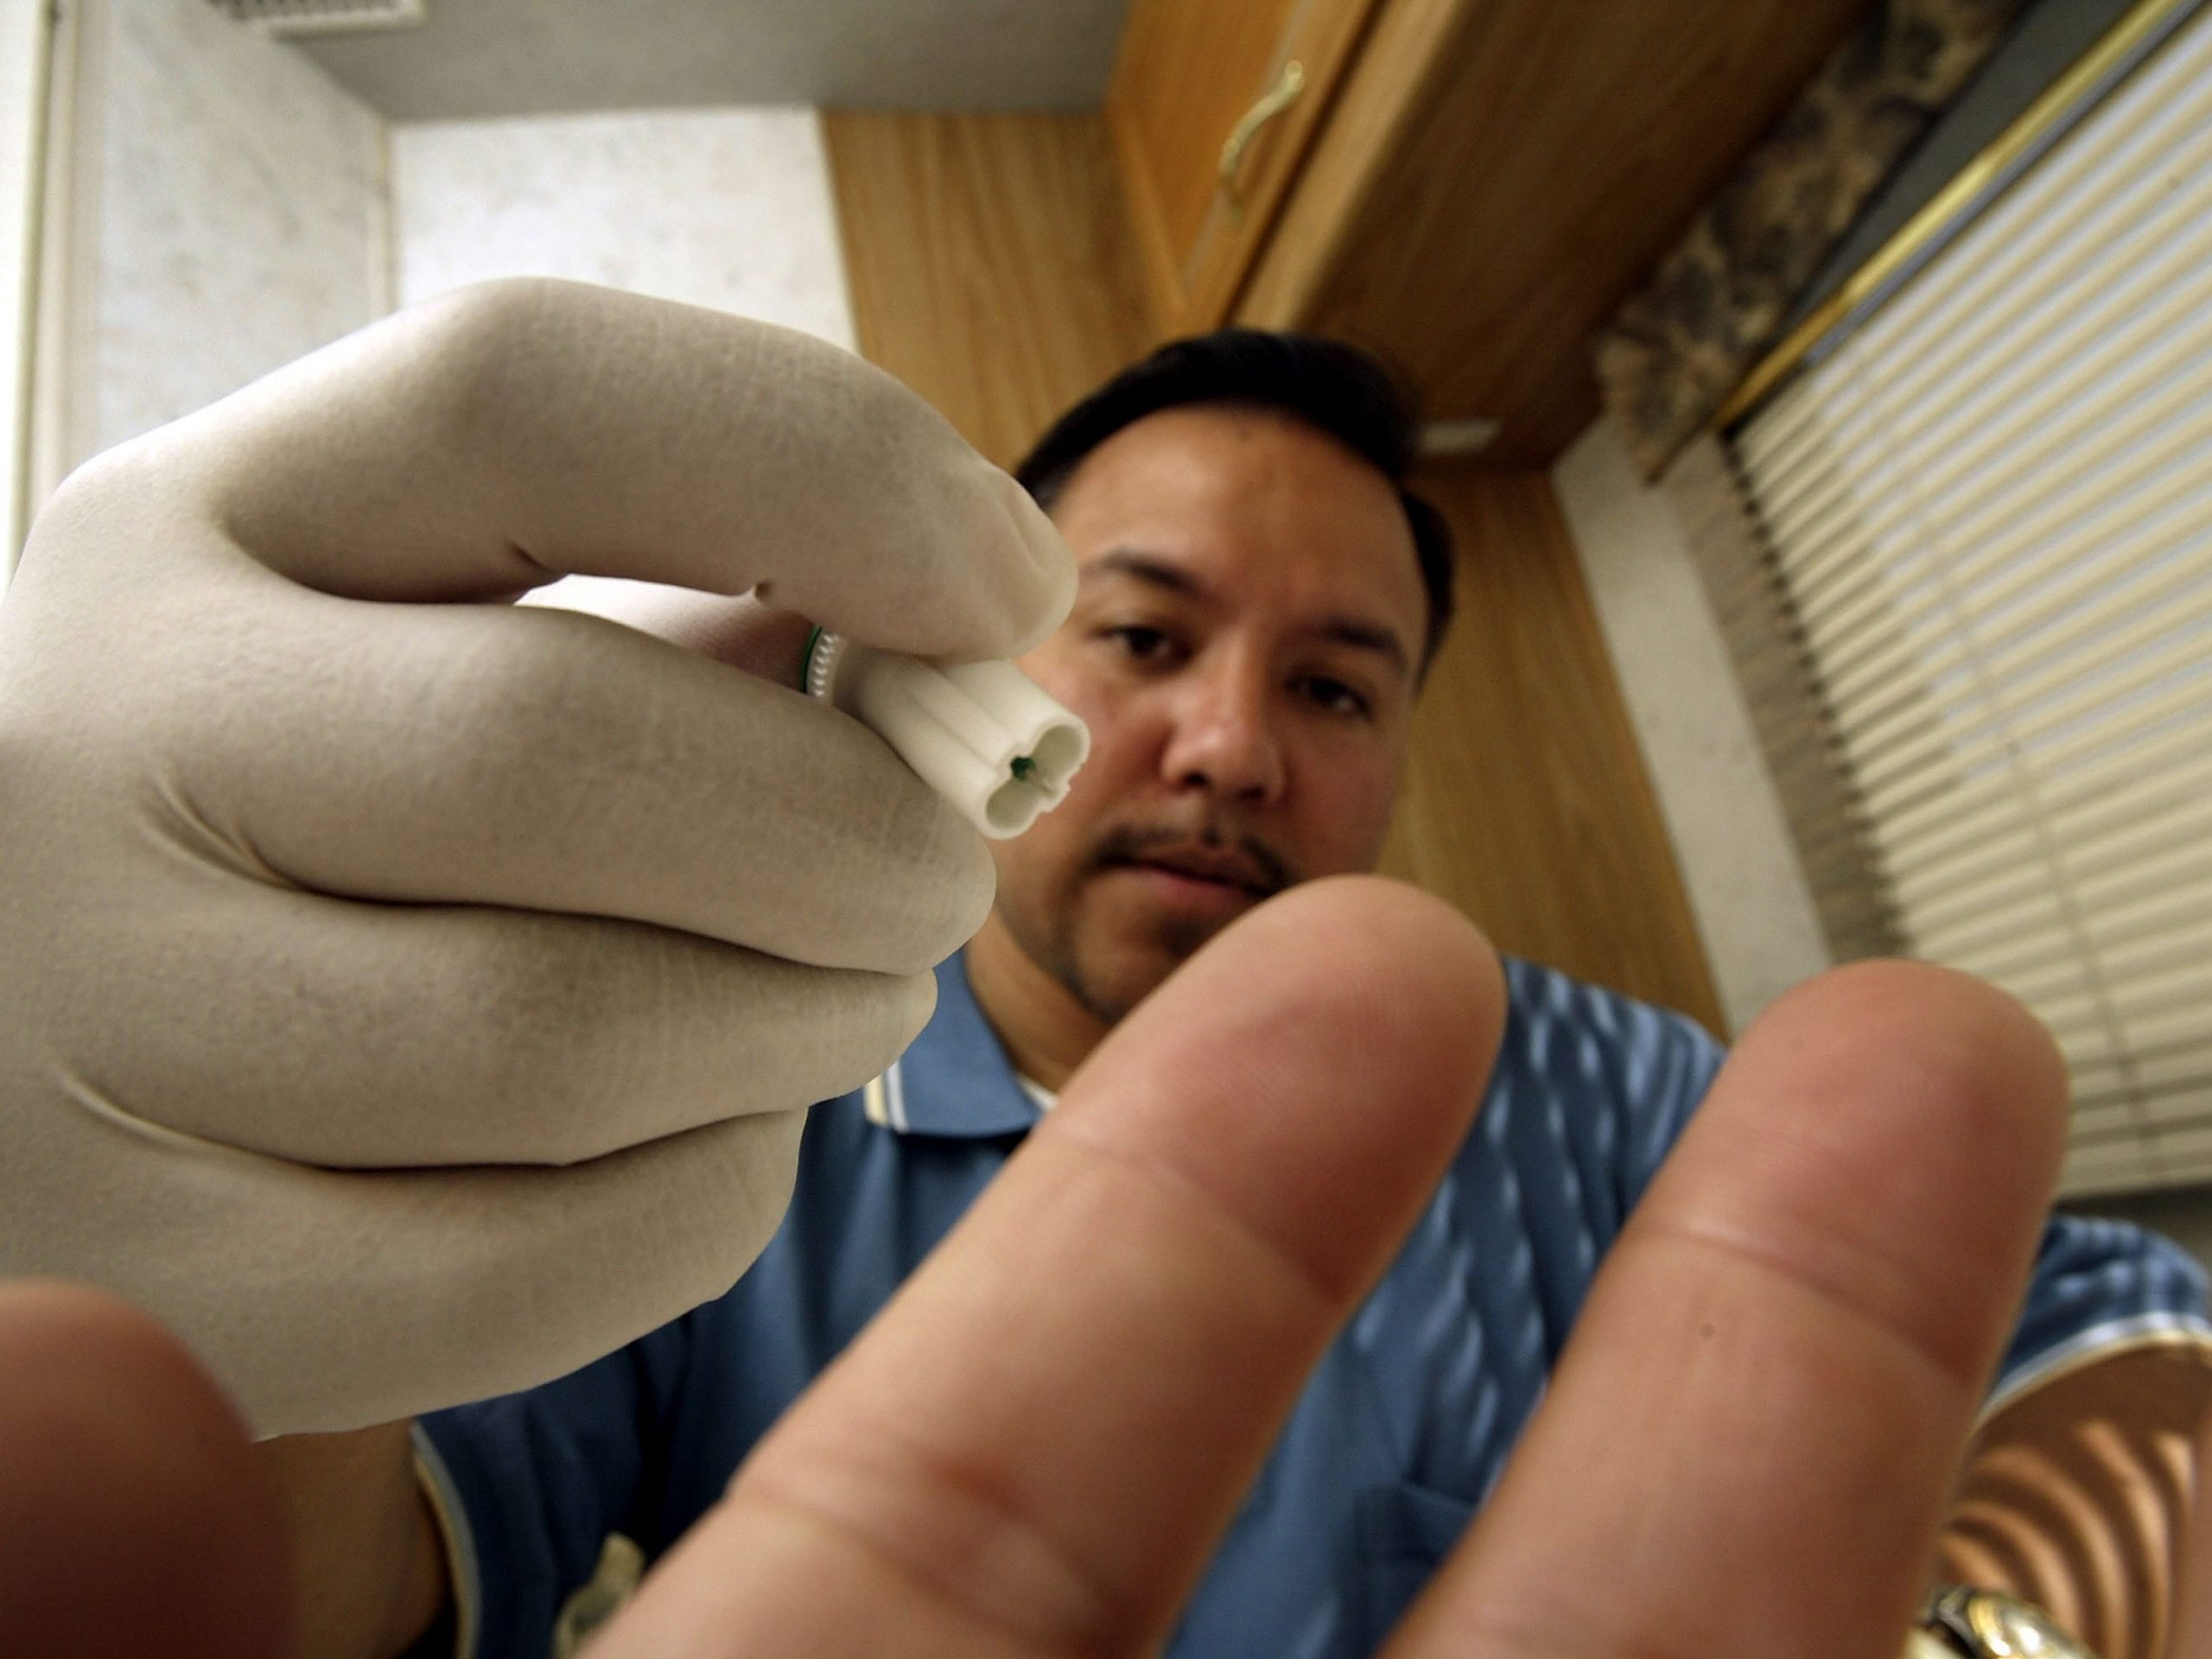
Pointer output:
x,y
499,436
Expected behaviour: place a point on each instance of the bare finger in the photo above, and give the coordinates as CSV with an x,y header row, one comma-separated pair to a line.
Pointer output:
x,y
137,1520
1749,1443
1030,1451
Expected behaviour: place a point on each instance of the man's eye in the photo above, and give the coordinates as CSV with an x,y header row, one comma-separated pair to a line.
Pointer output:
x,y
1336,698
1143,644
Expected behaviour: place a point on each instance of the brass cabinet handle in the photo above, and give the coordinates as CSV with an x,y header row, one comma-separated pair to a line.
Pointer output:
x,y
1273,103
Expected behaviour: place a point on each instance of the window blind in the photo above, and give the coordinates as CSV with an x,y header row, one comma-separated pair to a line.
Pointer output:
x,y
1989,511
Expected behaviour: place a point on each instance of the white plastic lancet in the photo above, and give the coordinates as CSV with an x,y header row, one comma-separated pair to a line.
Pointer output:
x,y
982,734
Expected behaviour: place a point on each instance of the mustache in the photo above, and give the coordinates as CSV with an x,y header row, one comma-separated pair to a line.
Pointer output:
x,y
1136,844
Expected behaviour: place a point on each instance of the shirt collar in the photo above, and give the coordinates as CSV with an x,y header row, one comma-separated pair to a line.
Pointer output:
x,y
955,1079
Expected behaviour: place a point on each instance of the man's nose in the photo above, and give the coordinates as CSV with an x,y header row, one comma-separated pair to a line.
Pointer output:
x,y
1224,739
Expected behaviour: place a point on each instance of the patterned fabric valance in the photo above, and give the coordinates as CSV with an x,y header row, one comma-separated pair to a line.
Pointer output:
x,y
1680,347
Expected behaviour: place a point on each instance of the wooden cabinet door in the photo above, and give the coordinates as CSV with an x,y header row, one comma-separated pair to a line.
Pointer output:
x,y
1189,74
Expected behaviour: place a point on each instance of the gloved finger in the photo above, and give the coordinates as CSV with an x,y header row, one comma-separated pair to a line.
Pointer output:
x,y
458,1284
489,440
1749,1444
137,1517
458,1034
1031,1449
530,758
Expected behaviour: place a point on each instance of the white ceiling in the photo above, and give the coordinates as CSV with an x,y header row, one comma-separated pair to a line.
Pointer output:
x,y
477,58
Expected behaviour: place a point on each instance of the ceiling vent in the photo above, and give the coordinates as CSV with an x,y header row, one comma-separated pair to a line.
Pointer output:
x,y
289,18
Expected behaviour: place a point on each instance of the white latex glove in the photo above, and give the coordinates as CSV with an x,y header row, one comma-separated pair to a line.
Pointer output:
x,y
406,995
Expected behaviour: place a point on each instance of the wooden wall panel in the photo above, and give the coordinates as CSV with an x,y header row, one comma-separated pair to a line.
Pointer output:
x,y
989,262
1526,802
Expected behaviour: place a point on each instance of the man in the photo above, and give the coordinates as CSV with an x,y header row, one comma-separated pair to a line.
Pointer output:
x,y
1255,602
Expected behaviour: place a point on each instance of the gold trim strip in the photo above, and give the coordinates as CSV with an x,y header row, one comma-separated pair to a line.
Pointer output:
x,y
1959,198
2181,1337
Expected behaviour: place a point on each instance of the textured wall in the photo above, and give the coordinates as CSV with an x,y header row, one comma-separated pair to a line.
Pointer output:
x,y
240,219
729,208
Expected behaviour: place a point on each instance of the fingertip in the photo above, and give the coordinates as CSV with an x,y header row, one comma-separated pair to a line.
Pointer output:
x,y
1003,576
1407,967
951,889
1322,1057
955,563
916,1006
1891,1132
138,1519
1159,1269
1053,571
1392,921
977,891
1986,1073
1819,1282
53,1328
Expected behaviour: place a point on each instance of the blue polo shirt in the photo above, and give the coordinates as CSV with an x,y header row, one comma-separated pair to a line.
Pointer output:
x,y
1398,1437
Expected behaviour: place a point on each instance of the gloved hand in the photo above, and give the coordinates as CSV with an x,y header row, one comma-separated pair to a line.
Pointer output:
x,y
408,995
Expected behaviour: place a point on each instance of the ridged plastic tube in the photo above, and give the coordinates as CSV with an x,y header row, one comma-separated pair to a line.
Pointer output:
x,y
982,734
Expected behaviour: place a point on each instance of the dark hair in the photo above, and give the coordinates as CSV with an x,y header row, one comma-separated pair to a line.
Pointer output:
x,y
1336,389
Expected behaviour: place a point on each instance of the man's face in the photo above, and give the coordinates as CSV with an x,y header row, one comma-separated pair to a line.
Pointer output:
x,y
1242,647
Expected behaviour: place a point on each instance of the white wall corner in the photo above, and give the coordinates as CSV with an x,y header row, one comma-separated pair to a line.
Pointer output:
x,y
63,282
1746,887
24,33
